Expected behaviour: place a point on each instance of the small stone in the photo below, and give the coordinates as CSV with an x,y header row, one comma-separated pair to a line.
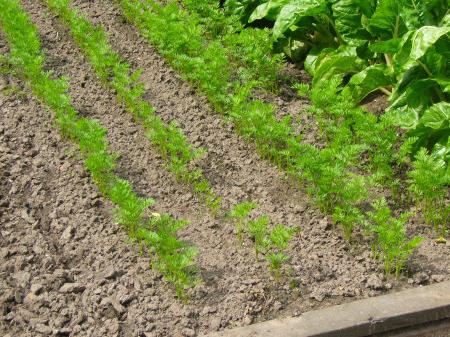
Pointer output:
x,y
113,325
374,282
208,310
30,299
62,332
251,281
22,278
126,299
277,306
247,320
113,273
188,332
215,323
72,288
437,278
117,307
43,329
63,275
67,235
421,278
38,162
388,286
318,276
325,224
36,288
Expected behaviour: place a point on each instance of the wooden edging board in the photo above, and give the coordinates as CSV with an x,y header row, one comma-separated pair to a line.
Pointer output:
x,y
367,317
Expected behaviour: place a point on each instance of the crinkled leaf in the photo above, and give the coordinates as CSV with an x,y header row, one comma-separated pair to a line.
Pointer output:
x,y
294,11
268,10
444,83
415,45
445,22
367,6
406,118
242,8
341,61
386,47
310,62
441,150
417,94
347,16
435,63
437,116
393,18
368,80
385,21
428,137
424,38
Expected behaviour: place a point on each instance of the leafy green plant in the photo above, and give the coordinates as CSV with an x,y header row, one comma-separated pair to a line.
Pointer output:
x,y
249,51
279,239
391,242
239,214
258,230
397,47
173,257
429,185
270,242
276,261
349,217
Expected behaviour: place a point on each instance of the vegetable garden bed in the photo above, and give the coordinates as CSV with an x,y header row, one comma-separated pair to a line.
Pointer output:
x,y
68,267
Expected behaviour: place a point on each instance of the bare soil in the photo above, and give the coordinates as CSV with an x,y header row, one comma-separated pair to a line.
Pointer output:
x,y
67,269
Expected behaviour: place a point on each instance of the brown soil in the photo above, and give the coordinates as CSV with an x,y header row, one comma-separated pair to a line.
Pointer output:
x,y
67,269
376,103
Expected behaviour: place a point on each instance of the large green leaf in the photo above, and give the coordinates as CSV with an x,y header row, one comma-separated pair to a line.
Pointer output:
x,y
386,47
340,61
421,68
367,6
242,8
444,83
424,38
347,16
442,150
385,22
417,94
368,80
268,10
310,62
445,22
437,116
296,10
393,18
406,118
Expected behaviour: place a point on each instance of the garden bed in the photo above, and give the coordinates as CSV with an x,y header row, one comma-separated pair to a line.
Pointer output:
x,y
68,269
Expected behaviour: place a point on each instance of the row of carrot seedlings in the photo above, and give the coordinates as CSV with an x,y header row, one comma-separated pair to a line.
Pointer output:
x,y
173,258
334,175
117,74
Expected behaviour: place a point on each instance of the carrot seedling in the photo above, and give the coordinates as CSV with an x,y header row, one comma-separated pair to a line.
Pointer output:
x,y
239,214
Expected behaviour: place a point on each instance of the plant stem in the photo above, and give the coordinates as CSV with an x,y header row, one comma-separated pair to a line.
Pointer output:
x,y
385,91
388,58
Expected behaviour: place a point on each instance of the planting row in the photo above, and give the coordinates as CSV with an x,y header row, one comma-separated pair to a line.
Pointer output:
x,y
117,74
158,232
337,177
174,259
